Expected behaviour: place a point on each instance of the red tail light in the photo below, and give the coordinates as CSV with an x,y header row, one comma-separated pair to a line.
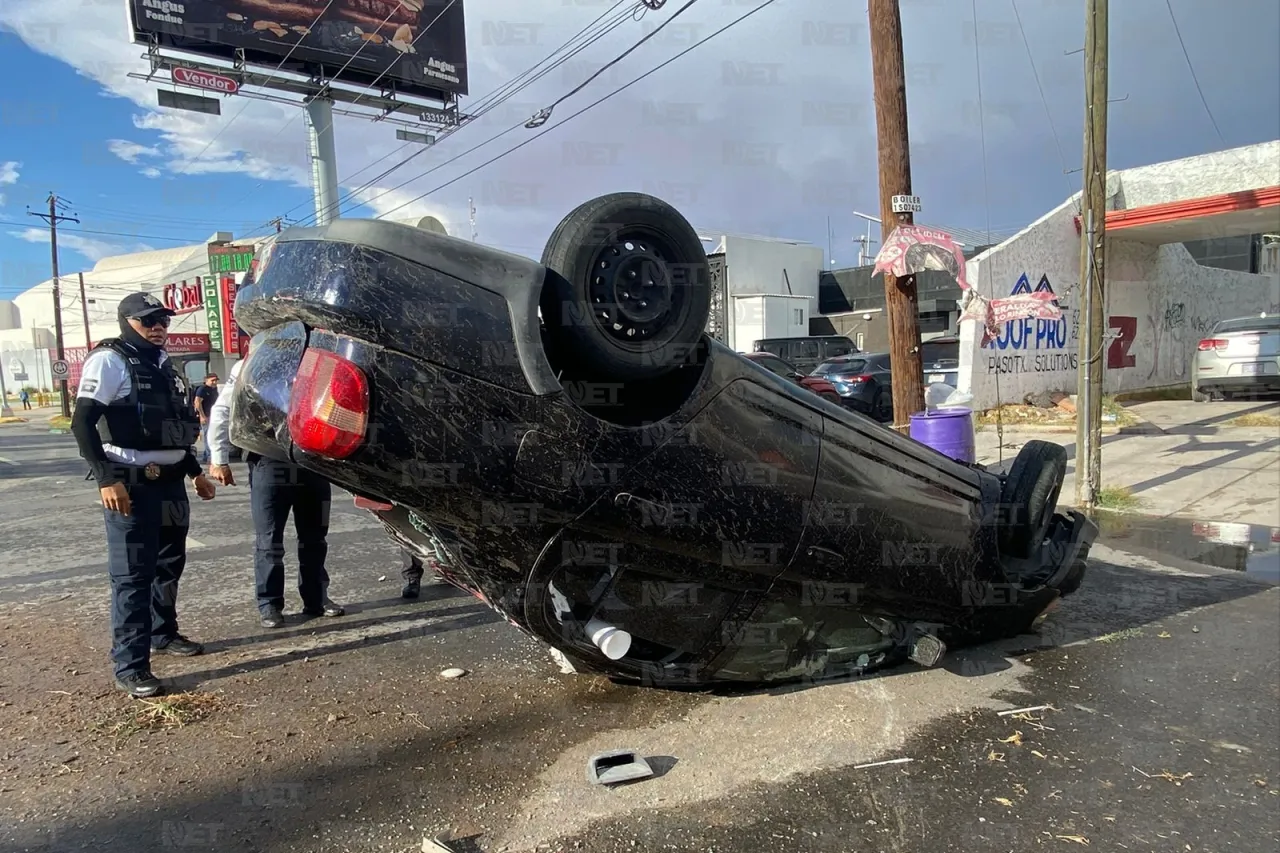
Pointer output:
x,y
329,407
1212,344
863,378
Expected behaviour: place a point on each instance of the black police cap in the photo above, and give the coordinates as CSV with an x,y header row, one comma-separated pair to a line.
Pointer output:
x,y
135,306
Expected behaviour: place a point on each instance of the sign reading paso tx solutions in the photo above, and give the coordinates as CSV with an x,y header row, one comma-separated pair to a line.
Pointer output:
x,y
416,47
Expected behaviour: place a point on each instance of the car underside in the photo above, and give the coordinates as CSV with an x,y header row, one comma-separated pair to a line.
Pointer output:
x,y
562,440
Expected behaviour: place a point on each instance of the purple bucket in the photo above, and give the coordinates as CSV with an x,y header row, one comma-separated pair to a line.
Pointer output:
x,y
948,431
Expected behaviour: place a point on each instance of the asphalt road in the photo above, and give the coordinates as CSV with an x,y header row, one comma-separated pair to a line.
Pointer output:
x,y
1162,678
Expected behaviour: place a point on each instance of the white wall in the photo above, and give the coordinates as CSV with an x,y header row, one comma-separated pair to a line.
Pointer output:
x,y
1250,167
1159,303
755,267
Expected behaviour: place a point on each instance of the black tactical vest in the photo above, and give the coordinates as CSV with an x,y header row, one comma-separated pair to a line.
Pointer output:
x,y
154,415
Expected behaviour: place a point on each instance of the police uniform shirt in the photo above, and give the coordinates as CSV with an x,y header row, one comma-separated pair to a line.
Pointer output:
x,y
104,378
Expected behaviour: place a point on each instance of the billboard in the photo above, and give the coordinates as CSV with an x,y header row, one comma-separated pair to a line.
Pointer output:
x,y
416,47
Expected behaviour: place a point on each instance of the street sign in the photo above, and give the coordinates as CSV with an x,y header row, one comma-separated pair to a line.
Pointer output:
x,y
205,80
60,369
906,204
191,103
414,136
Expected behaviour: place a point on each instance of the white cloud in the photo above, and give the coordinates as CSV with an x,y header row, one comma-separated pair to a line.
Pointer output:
x,y
93,250
768,129
131,152
8,176
151,172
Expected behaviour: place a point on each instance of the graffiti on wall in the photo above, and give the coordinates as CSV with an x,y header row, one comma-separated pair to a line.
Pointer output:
x,y
1175,329
1035,345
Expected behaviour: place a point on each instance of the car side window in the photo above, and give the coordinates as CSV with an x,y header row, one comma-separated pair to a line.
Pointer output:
x,y
778,366
806,350
837,348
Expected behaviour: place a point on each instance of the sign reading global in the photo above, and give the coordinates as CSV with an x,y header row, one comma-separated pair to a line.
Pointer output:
x,y
416,47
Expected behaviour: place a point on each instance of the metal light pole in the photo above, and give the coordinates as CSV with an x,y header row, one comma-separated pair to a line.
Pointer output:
x,y
324,159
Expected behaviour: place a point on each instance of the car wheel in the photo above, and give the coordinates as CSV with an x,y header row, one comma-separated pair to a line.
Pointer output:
x,y
628,288
831,398
881,408
1030,495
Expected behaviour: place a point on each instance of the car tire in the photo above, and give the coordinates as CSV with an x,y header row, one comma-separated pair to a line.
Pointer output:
x,y
832,398
1030,496
881,410
596,257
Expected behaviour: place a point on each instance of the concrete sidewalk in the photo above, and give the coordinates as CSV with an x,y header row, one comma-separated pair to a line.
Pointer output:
x,y
1190,461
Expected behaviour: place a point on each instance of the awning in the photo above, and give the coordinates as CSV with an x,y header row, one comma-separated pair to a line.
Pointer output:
x,y
1226,215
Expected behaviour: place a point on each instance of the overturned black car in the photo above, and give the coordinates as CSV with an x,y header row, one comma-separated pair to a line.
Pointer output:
x,y
563,441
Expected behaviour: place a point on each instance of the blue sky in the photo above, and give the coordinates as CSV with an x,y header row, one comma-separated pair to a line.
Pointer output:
x,y
74,123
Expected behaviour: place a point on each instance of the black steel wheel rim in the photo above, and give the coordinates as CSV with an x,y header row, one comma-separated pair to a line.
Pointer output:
x,y
632,292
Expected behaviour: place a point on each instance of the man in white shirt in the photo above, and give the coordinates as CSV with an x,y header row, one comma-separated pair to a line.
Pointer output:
x,y
277,489
136,432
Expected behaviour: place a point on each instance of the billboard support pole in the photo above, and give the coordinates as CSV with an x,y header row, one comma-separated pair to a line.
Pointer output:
x,y
324,162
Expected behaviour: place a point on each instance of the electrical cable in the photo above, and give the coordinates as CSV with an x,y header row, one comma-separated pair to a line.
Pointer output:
x,y
1043,99
571,117
368,88
986,195
278,69
496,99
542,117
108,233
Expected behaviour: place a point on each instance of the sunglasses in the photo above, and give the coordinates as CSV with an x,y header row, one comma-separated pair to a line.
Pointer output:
x,y
153,320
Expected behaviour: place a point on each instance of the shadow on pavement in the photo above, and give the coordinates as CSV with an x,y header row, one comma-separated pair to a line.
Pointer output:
x,y
1112,599
471,616
357,798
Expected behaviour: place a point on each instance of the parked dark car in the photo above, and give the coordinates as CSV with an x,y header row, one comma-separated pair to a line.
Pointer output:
x,y
806,353
863,382
777,366
941,358
611,480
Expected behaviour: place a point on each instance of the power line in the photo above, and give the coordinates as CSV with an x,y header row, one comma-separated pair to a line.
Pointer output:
x,y
570,118
505,93
368,88
112,233
279,67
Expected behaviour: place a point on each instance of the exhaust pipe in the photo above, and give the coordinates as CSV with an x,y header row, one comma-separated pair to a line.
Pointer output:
x,y
613,642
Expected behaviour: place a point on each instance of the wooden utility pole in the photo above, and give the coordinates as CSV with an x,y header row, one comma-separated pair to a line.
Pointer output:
x,y
1093,219
888,76
53,218
84,309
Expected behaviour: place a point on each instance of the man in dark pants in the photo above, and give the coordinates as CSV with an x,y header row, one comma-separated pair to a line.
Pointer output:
x,y
135,431
275,489
412,571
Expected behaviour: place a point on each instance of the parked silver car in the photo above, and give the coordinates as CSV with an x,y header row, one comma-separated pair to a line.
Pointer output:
x,y
1239,357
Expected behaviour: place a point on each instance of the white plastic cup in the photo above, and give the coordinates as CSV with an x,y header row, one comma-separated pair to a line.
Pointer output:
x,y
613,642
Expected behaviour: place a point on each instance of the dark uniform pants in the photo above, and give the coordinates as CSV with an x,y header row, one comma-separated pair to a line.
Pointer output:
x,y
411,566
275,489
146,553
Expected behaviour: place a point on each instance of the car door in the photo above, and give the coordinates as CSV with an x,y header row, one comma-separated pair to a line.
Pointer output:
x,y
693,536
887,531
779,367
836,347
806,355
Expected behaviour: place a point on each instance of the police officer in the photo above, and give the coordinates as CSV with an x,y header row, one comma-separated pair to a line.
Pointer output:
x,y
275,489
135,431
